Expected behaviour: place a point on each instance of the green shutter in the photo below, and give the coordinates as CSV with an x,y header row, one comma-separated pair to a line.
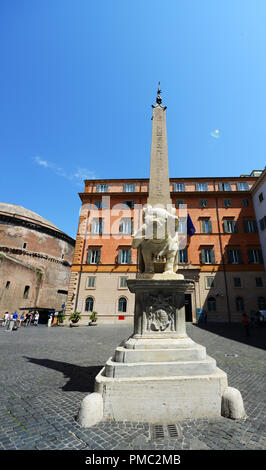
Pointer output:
x,y
98,258
119,256
250,256
240,259
235,229
226,226
129,256
210,226
203,256
230,256
212,257
89,257
245,223
260,256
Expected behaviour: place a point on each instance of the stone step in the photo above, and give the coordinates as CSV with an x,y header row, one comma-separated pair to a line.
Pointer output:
x,y
125,355
160,369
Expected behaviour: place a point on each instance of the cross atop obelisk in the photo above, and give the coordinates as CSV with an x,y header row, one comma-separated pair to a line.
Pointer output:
x,y
159,189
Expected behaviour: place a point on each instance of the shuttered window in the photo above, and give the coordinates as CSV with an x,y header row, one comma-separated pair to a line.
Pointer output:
x,y
207,256
124,256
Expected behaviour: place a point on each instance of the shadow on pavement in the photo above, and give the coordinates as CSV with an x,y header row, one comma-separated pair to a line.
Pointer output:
x,y
236,332
81,379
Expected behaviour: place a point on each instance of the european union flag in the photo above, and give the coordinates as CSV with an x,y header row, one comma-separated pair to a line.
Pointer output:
x,y
190,227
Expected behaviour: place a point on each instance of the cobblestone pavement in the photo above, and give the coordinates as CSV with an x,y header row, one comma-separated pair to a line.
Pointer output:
x,y
46,372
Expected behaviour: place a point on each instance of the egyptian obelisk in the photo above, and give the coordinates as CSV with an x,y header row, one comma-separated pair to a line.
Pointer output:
x,y
159,187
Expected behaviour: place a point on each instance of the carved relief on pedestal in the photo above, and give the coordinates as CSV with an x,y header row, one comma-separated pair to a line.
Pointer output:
x,y
159,313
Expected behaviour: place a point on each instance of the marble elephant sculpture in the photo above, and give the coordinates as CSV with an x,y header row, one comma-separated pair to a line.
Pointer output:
x,y
154,241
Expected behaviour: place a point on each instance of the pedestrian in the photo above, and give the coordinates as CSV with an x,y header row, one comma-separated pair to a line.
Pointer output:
x,y
6,315
21,320
28,319
15,318
36,319
245,323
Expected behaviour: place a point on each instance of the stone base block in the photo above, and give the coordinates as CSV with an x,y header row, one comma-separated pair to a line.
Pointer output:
x,y
160,369
161,399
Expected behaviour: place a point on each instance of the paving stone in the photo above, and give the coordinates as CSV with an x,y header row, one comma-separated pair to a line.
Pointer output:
x,y
55,369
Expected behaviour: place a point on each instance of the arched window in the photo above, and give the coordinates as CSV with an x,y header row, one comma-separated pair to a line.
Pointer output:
x,y
262,303
122,304
239,304
89,304
211,304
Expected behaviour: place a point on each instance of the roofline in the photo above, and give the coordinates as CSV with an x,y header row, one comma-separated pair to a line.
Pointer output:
x,y
179,178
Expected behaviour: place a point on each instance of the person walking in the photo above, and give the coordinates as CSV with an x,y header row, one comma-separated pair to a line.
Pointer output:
x,y
21,320
15,318
245,323
36,318
6,315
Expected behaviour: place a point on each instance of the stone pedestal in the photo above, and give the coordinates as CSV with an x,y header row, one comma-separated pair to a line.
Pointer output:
x,y
158,375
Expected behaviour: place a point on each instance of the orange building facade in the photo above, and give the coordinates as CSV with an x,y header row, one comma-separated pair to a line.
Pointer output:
x,y
223,257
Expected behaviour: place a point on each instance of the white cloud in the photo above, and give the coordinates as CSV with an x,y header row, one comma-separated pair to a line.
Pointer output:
x,y
41,162
79,174
216,134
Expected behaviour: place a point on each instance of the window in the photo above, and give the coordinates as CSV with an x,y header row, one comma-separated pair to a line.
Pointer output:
x,y
130,204
243,186
24,245
206,226
263,223
255,256
225,187
201,186
7,284
239,304
89,302
91,281
230,226
261,197
26,292
237,282
124,256
207,256
62,256
182,256
245,202
259,282
122,304
97,226
203,203
234,256
123,282
126,226
182,226
209,282
262,303
62,291
227,203
102,188
211,304
179,187
250,226
94,256
179,202
129,188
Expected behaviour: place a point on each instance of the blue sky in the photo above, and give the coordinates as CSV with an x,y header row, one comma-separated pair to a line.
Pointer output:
x,y
78,78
